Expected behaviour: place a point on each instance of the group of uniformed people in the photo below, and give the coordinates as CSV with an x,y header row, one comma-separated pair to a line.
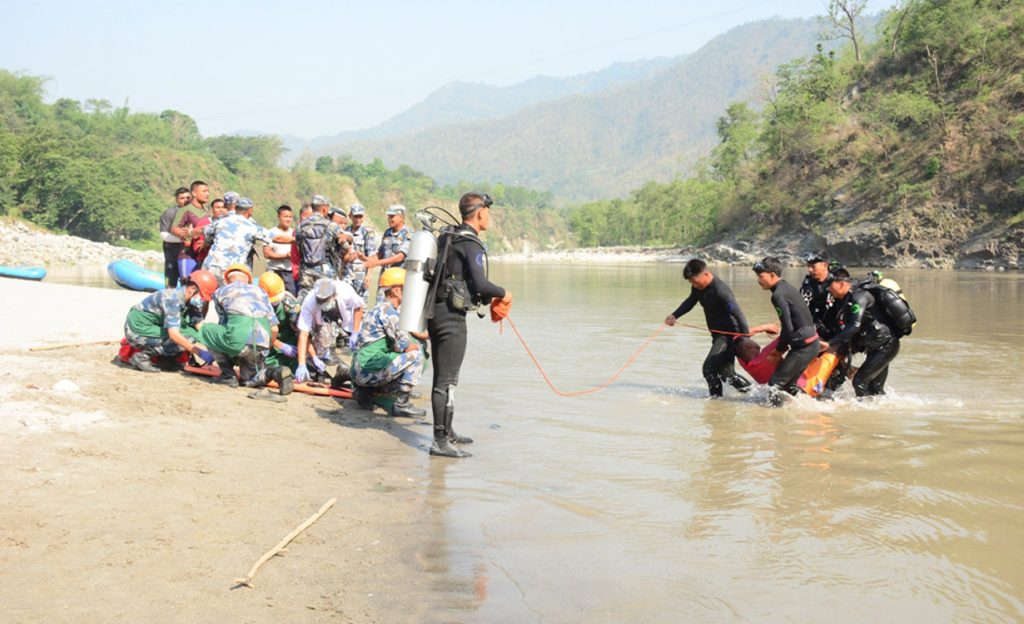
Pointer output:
x,y
281,328
830,314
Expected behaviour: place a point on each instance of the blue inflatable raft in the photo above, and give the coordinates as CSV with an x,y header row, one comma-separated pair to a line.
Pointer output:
x,y
129,275
25,273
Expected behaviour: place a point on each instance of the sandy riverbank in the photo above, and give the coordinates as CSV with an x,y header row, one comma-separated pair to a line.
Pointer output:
x,y
141,497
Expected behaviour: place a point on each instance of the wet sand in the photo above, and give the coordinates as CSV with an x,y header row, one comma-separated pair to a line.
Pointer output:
x,y
141,497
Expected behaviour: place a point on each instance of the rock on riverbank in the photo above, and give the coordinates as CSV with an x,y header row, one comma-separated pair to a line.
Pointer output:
x,y
21,245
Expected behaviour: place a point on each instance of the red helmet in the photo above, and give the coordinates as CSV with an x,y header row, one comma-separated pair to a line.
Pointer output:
x,y
205,282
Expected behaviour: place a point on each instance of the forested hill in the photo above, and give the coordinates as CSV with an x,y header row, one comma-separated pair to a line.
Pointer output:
x,y
106,173
459,102
603,144
911,154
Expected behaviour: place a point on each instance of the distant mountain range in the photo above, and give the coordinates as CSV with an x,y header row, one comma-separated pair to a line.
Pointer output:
x,y
585,137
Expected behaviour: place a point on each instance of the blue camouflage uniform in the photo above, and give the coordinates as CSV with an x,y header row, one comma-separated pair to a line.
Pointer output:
x,y
147,323
311,270
243,333
392,244
381,360
364,240
233,237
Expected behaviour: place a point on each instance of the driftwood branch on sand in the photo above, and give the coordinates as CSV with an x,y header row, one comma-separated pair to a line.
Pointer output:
x,y
276,550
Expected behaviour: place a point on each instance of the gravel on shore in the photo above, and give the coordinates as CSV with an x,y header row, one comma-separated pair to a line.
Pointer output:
x,y
26,246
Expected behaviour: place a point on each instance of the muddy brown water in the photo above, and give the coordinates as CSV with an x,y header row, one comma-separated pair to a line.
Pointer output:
x,y
649,502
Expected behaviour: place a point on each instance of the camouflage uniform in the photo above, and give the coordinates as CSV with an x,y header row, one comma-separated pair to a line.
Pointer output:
x,y
147,323
310,273
392,244
381,360
233,237
287,312
365,242
246,318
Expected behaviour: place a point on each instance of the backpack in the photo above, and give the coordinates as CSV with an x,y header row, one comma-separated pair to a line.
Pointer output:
x,y
312,236
900,316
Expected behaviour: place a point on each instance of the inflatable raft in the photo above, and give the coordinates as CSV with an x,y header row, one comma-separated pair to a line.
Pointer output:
x,y
129,275
25,273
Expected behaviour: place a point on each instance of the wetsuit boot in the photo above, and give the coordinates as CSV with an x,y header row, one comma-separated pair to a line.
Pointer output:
x,y
403,407
453,437
442,447
714,385
739,382
142,362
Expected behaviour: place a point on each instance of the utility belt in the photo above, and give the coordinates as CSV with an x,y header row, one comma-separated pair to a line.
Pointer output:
x,y
456,293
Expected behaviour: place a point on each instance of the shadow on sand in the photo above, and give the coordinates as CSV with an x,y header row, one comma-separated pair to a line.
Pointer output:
x,y
413,433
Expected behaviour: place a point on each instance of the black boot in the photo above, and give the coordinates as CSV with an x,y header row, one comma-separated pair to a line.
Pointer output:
x,y
361,394
341,377
227,371
142,362
442,448
714,385
740,383
282,376
453,437
403,407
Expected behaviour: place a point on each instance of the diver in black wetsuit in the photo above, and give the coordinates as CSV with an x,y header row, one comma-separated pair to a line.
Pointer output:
x,y
821,303
722,313
864,328
462,286
814,290
796,332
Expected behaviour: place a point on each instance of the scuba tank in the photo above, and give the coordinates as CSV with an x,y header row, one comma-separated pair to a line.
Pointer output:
x,y
425,272
419,272
893,303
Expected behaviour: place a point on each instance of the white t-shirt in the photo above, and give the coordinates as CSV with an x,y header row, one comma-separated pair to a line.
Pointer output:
x,y
348,303
281,248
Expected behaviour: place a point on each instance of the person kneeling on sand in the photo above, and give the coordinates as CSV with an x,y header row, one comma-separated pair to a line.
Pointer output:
x,y
286,309
154,325
245,332
331,305
387,360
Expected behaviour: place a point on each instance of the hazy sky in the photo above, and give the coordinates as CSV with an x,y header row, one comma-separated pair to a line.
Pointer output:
x,y
317,67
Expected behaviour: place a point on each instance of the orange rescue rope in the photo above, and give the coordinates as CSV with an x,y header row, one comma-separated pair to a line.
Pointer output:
x,y
500,311
596,388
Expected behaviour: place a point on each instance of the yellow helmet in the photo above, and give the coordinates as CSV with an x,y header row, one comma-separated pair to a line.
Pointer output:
x,y
238,266
392,277
273,285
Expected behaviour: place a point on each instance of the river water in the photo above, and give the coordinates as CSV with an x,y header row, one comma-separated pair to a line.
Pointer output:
x,y
649,502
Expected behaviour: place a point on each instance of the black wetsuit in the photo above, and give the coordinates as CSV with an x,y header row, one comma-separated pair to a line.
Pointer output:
x,y
722,313
864,328
465,263
797,335
820,302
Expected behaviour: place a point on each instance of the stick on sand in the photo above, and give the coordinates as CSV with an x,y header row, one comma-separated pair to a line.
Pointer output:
x,y
276,550
68,345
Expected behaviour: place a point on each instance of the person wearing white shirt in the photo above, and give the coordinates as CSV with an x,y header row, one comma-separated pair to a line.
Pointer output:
x,y
279,252
330,304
